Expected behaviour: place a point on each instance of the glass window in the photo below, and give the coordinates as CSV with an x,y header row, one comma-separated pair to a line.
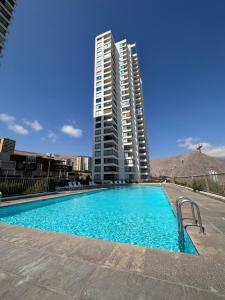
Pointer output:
x,y
98,119
98,77
98,88
98,125
97,146
98,100
98,139
98,169
98,131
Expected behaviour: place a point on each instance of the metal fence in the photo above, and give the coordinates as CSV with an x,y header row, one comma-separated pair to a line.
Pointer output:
x,y
213,183
17,186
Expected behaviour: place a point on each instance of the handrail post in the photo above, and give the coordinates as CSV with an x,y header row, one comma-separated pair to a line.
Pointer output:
x,y
193,214
195,221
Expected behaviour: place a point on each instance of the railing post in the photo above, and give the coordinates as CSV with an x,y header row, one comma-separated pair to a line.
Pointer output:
x,y
206,183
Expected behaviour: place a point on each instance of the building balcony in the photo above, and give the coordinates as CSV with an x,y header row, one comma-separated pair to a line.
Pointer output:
x,y
144,173
108,86
108,92
143,158
144,167
107,69
108,72
110,164
127,130
108,80
128,144
142,148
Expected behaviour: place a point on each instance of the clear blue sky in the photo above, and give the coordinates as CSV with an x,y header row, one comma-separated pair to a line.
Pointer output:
x,y
46,73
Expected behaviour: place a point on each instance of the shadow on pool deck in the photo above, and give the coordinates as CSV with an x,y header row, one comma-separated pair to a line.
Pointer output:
x,y
37,264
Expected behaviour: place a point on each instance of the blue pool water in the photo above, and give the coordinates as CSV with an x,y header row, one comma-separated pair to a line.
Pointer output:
x,y
135,215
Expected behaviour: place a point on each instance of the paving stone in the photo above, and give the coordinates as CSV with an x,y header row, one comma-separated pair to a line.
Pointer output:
x,y
32,238
64,244
18,288
64,275
200,272
93,250
114,284
125,257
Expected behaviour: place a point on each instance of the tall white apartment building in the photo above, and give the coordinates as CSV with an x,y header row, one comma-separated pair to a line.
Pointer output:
x,y
6,11
120,150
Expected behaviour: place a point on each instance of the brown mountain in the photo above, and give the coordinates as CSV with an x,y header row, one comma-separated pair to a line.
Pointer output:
x,y
189,164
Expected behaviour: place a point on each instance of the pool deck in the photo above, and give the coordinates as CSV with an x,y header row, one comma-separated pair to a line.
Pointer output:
x,y
37,264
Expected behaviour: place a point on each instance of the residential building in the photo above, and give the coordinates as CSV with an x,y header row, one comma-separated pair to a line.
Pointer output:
x,y
7,147
6,11
120,149
31,164
78,163
81,163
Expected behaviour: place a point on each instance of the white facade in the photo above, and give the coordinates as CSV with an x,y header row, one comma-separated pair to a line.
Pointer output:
x,y
120,150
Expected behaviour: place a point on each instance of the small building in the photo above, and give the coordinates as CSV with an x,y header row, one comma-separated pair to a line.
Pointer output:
x,y
30,164
7,166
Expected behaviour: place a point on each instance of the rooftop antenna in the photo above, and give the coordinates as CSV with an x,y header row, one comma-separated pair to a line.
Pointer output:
x,y
199,148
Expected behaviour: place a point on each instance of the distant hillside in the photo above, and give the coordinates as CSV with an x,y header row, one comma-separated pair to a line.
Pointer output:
x,y
189,164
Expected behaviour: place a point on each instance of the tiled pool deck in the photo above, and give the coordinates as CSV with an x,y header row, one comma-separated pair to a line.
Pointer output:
x,y
37,264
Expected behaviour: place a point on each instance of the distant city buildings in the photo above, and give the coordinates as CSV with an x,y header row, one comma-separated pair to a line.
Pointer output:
x,y
6,11
77,162
120,149
81,163
31,164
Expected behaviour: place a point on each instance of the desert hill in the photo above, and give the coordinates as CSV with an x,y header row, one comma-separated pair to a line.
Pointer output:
x,y
189,164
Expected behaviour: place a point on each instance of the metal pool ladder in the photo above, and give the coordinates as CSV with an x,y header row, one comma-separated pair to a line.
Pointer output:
x,y
195,221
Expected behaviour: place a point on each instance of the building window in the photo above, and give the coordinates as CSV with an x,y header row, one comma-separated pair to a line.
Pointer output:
x,y
98,169
98,89
97,153
98,139
97,146
98,77
98,100
97,161
98,119
98,125
98,131
110,169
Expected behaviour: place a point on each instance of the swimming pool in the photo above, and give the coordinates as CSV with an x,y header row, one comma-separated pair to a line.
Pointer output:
x,y
137,215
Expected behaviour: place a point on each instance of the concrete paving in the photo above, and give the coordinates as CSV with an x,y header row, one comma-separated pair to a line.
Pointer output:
x,y
37,264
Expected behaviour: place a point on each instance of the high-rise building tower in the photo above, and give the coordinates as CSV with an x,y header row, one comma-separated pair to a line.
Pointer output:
x,y
120,150
6,12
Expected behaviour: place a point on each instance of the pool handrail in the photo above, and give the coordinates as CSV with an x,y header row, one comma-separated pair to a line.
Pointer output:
x,y
195,222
